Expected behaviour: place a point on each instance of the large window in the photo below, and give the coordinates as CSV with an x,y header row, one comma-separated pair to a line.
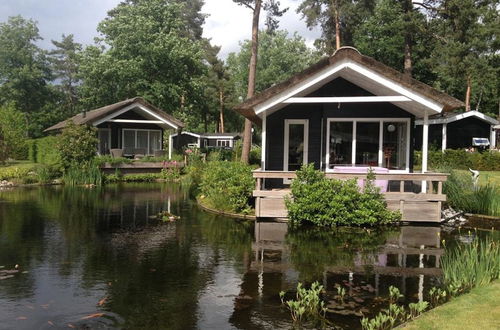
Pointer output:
x,y
368,142
141,141
223,143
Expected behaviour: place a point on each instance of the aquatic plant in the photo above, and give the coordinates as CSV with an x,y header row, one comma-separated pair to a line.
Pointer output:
x,y
341,292
394,295
415,309
380,322
86,174
308,305
437,296
469,265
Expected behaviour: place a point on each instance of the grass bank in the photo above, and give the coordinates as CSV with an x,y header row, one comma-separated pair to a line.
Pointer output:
x,y
478,309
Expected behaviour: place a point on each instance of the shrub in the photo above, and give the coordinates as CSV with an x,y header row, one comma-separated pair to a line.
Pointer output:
x,y
255,155
15,172
461,160
44,150
327,203
228,186
77,144
12,133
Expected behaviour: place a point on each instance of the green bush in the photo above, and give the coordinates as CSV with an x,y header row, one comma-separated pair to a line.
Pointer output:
x,y
228,186
328,203
255,155
461,160
9,173
12,133
77,144
44,150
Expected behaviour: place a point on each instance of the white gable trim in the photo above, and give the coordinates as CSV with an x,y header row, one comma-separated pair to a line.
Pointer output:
x,y
133,106
338,70
347,99
188,133
451,119
219,137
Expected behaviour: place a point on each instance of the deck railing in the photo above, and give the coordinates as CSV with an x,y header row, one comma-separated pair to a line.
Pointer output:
x,y
403,192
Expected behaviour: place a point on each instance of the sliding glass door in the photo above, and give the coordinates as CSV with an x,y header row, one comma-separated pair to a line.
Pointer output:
x,y
141,141
368,142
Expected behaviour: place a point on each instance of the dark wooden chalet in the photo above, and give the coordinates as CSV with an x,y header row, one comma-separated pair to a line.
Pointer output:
x,y
458,131
127,128
345,114
183,140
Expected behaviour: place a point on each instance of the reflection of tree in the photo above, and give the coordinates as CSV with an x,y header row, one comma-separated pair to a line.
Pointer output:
x,y
21,242
234,237
312,251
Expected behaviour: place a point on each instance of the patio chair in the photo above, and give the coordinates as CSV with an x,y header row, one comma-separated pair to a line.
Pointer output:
x,y
116,153
139,153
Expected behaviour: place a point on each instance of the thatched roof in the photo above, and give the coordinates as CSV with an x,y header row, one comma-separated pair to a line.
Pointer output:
x,y
95,115
353,55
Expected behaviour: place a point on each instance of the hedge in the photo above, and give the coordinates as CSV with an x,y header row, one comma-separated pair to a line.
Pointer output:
x,y
43,150
461,160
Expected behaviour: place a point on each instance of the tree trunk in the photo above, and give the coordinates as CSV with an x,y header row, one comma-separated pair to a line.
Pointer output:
x,y
221,110
408,66
467,94
247,134
337,24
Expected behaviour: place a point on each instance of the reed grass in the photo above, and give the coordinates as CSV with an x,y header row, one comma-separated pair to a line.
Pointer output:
x,y
86,174
471,265
462,195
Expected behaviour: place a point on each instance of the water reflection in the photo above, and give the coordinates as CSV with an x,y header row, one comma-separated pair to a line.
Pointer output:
x,y
98,258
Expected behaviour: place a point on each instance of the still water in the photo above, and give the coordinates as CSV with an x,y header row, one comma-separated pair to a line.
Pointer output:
x,y
97,258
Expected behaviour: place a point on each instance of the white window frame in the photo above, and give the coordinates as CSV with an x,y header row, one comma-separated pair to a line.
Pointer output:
x,y
286,143
225,141
381,122
99,130
135,130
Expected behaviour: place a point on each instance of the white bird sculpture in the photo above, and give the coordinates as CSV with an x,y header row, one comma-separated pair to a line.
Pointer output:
x,y
475,177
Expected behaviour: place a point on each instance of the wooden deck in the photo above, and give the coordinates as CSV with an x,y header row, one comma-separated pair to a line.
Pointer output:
x,y
138,167
401,194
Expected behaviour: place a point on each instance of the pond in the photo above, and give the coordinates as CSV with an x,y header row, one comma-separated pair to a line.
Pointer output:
x,y
97,258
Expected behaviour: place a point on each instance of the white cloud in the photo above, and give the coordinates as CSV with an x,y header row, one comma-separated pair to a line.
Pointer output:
x,y
226,25
230,23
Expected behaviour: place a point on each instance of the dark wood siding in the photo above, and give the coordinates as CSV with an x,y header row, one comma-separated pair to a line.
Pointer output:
x,y
181,141
459,133
317,114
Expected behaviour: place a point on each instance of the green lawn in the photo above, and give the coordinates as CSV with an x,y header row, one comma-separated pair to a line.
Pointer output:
x,y
492,177
479,309
18,164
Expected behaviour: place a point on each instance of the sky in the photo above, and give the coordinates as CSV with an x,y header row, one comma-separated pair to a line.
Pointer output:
x,y
227,24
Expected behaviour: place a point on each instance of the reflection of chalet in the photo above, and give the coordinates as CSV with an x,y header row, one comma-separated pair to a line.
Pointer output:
x,y
345,114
